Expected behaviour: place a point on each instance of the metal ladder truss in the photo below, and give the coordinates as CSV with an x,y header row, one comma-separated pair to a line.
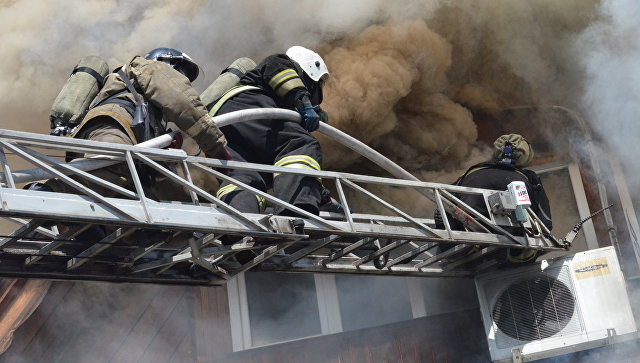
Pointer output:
x,y
123,235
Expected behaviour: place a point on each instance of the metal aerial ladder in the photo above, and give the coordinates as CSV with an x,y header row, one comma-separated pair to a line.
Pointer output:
x,y
185,237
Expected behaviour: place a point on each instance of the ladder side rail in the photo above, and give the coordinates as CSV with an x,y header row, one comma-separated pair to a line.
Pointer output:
x,y
360,217
94,147
311,265
76,208
262,167
451,208
102,157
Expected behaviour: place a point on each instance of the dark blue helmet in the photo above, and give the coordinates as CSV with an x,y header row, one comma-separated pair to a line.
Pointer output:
x,y
181,62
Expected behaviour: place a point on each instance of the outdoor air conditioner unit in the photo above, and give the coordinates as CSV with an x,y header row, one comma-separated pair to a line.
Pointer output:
x,y
555,307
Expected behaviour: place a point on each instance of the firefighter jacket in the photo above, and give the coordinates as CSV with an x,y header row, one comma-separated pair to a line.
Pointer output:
x,y
274,83
496,176
170,95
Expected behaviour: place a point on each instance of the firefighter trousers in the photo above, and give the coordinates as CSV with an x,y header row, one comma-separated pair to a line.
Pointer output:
x,y
279,143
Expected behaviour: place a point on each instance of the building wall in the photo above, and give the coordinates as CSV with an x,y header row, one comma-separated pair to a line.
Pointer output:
x,y
106,322
453,337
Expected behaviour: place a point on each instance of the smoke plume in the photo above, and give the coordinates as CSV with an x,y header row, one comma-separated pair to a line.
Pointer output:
x,y
412,79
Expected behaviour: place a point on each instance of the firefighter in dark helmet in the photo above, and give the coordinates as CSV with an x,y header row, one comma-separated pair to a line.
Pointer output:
x,y
136,102
512,154
292,81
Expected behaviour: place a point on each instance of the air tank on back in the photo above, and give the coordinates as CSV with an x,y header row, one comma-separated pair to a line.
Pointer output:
x,y
226,80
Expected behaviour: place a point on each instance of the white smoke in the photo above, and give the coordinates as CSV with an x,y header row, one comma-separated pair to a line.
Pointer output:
x,y
610,50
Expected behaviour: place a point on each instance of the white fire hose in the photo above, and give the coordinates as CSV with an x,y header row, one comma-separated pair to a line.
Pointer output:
x,y
97,162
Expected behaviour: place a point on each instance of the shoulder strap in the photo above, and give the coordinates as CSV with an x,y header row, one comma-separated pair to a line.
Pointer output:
x,y
92,73
472,169
227,95
130,87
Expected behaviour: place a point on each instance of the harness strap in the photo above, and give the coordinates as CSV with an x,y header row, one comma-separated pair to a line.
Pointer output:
x,y
92,72
127,82
227,95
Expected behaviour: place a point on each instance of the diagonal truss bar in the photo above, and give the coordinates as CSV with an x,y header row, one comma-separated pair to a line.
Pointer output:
x,y
224,206
440,256
336,255
143,251
70,170
392,208
472,257
412,253
62,238
391,246
102,245
187,175
202,242
267,197
443,213
20,232
310,249
43,231
67,180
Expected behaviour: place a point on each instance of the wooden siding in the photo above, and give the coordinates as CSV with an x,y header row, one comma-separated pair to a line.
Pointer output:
x,y
100,322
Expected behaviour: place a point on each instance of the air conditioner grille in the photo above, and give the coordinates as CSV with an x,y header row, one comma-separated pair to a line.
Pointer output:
x,y
534,308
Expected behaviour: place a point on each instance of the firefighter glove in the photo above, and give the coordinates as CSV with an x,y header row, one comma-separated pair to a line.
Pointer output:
x,y
324,116
310,119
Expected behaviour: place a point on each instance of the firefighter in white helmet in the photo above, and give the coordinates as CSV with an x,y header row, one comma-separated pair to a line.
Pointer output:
x,y
292,81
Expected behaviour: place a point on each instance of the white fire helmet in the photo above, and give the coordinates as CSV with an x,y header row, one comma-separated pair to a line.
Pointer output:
x,y
310,62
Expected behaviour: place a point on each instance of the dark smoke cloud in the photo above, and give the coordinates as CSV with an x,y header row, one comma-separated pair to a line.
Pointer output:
x,y
410,78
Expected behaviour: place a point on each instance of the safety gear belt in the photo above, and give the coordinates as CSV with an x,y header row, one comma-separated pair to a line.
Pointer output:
x,y
227,95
